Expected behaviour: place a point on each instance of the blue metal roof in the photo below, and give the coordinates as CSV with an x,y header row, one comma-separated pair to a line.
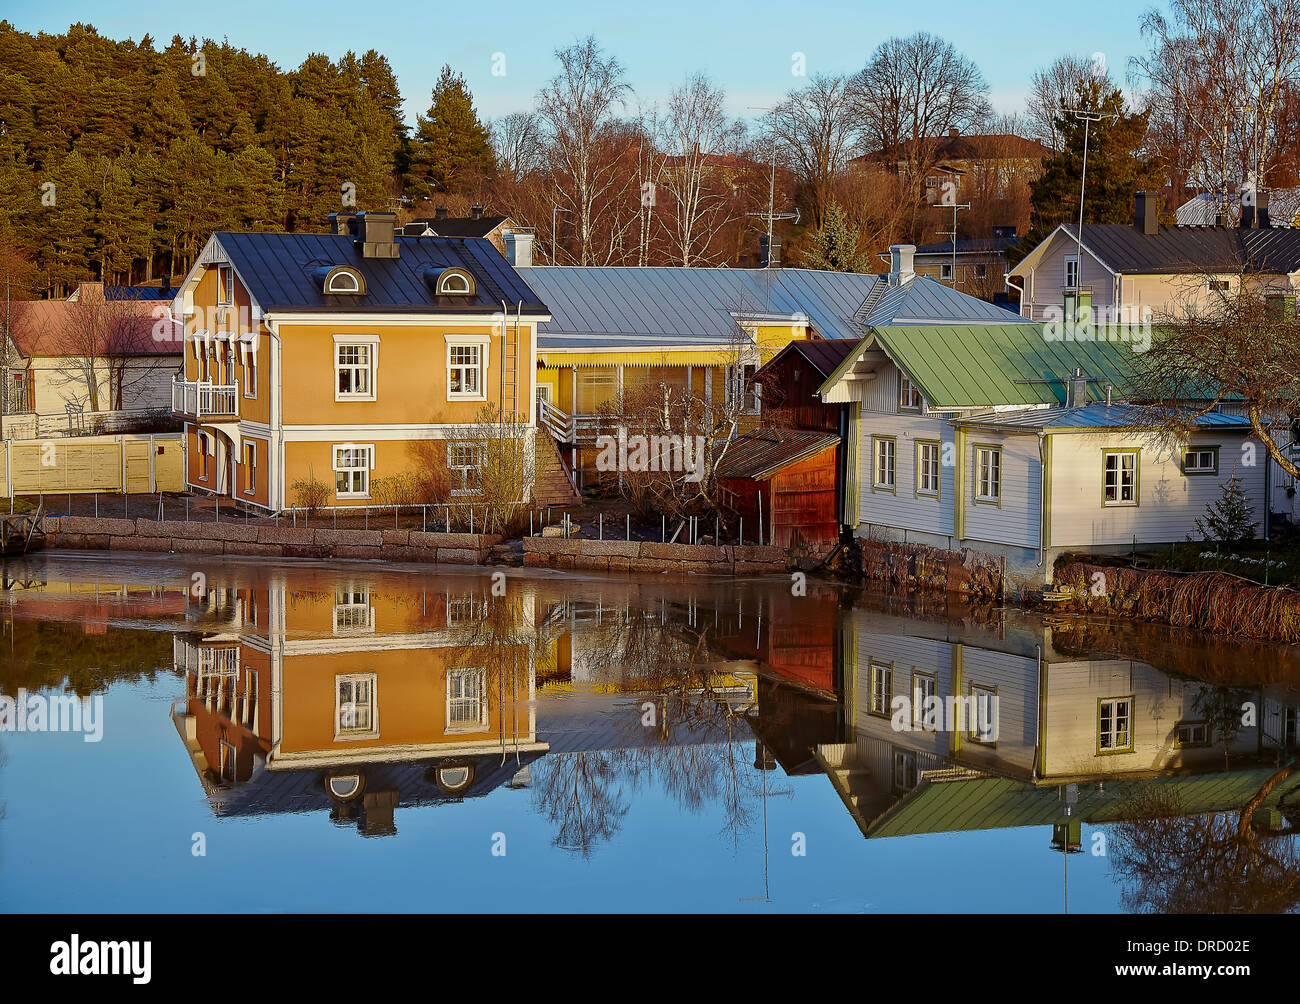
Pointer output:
x,y
278,270
1093,416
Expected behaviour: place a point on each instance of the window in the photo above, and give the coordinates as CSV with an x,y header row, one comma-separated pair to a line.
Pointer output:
x,y
750,388
924,717
945,270
203,456
988,474
250,371
882,688
883,451
984,710
467,709
465,370
1071,272
909,397
355,714
225,285
1120,477
1192,734
595,389
344,280
250,468
455,283
1201,460
981,271
250,698
352,467
353,612
927,469
1078,307
354,369
931,181
1218,285
1115,725
463,609
904,770
228,760
465,461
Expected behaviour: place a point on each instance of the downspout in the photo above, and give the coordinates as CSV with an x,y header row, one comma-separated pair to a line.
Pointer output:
x,y
1042,496
276,487
1006,280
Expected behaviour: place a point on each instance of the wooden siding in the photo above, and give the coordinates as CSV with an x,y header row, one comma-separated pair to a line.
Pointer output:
x,y
1016,519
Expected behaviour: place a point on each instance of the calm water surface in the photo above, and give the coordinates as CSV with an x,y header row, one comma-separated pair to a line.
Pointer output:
x,y
304,737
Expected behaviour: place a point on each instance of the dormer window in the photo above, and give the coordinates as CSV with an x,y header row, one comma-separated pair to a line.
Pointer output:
x,y
344,280
450,281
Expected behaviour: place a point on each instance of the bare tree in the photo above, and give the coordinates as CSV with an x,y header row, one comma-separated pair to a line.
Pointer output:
x,y
517,141
1222,77
814,127
577,108
1053,88
694,129
1239,347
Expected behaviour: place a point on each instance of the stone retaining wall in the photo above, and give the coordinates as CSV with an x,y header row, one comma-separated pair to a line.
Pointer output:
x,y
274,541
968,572
637,556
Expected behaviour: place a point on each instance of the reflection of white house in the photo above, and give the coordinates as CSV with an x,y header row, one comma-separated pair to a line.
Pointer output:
x,y
102,350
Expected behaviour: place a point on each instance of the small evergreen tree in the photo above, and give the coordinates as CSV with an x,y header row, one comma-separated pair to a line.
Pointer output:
x,y
1228,520
834,246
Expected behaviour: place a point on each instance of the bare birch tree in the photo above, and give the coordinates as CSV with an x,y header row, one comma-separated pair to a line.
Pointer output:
x,y
1053,88
814,128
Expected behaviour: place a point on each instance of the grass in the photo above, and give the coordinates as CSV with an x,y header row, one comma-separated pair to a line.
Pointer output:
x,y
1247,560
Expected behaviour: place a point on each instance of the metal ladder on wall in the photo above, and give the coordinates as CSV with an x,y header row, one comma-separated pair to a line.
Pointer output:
x,y
511,409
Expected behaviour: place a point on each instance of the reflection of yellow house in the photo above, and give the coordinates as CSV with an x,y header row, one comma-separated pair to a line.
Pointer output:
x,y
346,358
619,333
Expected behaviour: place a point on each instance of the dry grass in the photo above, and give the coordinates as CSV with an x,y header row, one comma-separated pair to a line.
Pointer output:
x,y
1210,601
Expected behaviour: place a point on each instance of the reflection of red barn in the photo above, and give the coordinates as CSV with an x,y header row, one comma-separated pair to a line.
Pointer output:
x,y
793,639
790,475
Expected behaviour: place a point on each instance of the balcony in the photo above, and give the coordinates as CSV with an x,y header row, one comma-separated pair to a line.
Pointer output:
x,y
205,400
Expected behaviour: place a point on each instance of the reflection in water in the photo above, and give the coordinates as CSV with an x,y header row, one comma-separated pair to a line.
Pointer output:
x,y
364,695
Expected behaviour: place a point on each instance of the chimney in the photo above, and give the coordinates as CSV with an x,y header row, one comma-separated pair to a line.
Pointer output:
x,y
374,232
343,223
440,213
769,254
476,211
1261,211
953,132
1146,213
1007,231
1078,391
900,263
519,248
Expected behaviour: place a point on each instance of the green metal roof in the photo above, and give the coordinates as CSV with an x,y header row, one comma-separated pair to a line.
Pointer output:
x,y
995,803
983,365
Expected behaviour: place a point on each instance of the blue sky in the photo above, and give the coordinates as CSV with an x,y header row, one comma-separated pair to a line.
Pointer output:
x,y
747,47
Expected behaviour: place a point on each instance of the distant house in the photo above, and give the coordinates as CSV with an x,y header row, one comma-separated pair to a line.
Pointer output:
x,y
975,265
1123,272
1280,206
476,225
104,349
964,163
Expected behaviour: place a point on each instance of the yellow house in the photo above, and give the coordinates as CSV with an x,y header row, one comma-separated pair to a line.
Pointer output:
x,y
704,332
347,357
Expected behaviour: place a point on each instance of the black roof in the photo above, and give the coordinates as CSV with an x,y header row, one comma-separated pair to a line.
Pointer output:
x,y
278,271
140,292
1180,249
967,245
825,354
462,226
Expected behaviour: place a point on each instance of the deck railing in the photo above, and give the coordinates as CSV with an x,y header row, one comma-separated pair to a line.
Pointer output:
x,y
199,399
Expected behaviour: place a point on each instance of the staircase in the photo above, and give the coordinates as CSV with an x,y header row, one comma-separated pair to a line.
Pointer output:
x,y
552,483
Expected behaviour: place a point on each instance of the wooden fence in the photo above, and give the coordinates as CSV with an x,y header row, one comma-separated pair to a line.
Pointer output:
x,y
135,464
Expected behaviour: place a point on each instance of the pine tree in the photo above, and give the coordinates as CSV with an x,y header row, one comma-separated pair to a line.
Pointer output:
x,y
1228,520
834,246
451,145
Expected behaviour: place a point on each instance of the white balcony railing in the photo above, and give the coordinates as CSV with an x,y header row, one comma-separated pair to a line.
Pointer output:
x,y
205,400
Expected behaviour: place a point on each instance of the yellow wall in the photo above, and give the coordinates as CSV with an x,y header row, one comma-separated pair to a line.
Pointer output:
x,y
91,464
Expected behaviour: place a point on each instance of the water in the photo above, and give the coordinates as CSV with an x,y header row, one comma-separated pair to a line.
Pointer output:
x,y
301,737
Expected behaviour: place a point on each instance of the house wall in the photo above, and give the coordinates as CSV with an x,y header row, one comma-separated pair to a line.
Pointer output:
x,y
58,381
1169,502
1045,284
1015,519
1160,701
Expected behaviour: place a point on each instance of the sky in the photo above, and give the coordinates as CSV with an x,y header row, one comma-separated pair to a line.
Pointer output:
x,y
750,48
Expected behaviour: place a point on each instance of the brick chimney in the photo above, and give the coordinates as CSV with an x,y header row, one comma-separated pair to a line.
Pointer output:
x,y
440,213
1146,213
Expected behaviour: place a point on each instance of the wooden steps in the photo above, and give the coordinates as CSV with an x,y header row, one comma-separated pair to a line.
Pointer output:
x,y
552,483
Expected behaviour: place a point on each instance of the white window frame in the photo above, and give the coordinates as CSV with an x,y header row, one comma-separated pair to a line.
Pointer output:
x,y
878,444
250,464
1119,499
368,448
340,273
980,271
919,695
248,356
1191,727
351,732
1211,468
225,285
1110,746
444,282
353,611
1071,264
475,464
480,722
249,716
881,697
988,488
983,730
483,344
907,393
205,451
924,467
371,344
945,270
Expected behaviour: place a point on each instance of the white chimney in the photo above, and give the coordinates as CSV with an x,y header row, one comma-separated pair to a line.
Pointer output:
x,y
900,263
519,248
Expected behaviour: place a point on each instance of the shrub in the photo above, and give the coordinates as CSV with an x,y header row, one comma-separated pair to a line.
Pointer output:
x,y
310,493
